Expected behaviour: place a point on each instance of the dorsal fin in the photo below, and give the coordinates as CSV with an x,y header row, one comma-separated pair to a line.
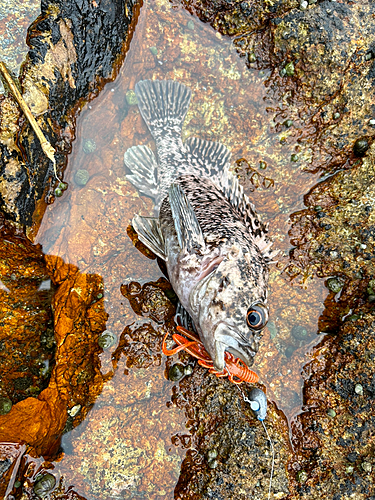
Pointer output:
x,y
213,163
234,192
213,158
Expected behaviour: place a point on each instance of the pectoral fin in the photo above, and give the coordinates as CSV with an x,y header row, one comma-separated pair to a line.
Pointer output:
x,y
149,233
189,232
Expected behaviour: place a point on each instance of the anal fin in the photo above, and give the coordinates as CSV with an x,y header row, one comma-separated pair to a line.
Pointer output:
x,y
141,162
189,232
149,233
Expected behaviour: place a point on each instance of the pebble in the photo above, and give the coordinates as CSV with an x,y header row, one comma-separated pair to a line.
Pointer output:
x,y
44,484
301,476
107,339
289,68
366,466
251,57
81,177
89,146
131,98
213,464
360,146
303,5
63,186
188,370
289,351
358,389
176,372
5,405
334,285
74,410
272,328
299,332
331,413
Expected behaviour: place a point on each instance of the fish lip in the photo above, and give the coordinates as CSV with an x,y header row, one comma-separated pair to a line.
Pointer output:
x,y
230,339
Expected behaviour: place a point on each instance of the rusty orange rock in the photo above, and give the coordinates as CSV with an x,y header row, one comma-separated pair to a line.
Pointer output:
x,y
79,318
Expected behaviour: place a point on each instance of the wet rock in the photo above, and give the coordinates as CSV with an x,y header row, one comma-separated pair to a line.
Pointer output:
x,y
27,343
151,300
345,360
345,198
55,77
227,438
79,322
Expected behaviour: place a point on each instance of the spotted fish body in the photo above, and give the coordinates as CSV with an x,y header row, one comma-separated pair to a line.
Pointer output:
x,y
215,247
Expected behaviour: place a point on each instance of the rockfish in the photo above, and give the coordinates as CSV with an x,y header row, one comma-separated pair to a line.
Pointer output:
x,y
206,230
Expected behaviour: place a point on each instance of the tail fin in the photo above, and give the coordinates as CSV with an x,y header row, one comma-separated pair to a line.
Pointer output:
x,y
163,104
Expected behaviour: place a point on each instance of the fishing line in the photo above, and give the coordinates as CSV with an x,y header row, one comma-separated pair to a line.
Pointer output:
x,y
258,404
273,458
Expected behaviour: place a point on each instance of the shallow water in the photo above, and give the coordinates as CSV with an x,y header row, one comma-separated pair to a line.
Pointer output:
x,y
15,18
231,103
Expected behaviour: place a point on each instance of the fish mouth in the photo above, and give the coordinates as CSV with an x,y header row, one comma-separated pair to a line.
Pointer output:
x,y
230,339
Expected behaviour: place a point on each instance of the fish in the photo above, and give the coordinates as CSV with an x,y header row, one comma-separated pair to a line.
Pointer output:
x,y
216,249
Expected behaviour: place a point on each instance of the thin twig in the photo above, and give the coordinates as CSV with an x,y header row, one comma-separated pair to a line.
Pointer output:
x,y
46,146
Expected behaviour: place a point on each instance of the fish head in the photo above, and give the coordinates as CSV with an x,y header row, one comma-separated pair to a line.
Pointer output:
x,y
229,306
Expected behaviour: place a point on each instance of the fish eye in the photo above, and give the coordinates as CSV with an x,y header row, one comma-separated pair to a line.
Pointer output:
x,y
257,316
